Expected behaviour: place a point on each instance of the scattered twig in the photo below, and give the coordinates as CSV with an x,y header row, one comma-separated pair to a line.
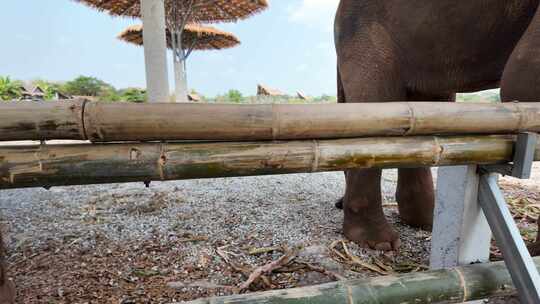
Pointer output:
x,y
288,257
356,260
323,271
258,251
224,255
196,238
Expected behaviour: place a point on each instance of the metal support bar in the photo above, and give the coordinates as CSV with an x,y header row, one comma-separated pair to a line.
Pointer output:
x,y
515,253
516,256
524,155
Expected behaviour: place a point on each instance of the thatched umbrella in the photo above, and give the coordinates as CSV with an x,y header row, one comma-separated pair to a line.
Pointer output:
x,y
205,11
194,37
178,14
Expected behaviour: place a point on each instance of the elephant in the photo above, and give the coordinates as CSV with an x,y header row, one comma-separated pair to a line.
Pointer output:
x,y
425,50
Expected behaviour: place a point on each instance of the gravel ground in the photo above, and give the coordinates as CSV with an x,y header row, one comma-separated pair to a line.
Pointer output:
x,y
175,241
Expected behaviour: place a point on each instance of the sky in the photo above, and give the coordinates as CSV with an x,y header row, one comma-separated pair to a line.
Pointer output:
x,y
289,47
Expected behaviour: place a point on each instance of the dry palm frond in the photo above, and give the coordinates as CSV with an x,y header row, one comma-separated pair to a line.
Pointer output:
x,y
200,10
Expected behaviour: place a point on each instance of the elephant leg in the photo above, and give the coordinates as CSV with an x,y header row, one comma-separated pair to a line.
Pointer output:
x,y
368,75
365,222
415,192
521,78
415,195
340,99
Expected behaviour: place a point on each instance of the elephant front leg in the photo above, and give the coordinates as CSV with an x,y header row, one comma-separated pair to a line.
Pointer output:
x,y
365,222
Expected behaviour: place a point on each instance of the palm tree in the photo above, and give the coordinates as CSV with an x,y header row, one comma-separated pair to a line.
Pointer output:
x,y
9,89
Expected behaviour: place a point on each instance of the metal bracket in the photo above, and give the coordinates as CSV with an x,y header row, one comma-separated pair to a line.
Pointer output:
x,y
516,256
522,162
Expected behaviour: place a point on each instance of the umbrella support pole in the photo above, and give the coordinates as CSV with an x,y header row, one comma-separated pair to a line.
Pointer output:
x,y
470,206
181,90
155,50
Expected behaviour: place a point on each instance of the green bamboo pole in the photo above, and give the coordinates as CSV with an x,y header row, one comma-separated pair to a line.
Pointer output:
x,y
60,165
107,122
458,285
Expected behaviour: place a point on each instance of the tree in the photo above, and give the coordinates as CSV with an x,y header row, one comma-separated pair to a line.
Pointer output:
x,y
87,86
9,89
235,96
134,95
109,95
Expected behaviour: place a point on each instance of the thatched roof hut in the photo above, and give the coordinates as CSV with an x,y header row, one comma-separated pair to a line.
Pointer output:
x,y
194,97
196,36
267,91
32,93
301,95
61,96
202,10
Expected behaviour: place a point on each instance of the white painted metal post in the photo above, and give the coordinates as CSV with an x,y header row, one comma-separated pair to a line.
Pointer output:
x,y
155,50
461,233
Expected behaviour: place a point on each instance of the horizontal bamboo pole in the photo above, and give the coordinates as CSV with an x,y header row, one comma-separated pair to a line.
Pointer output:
x,y
58,165
106,122
30,120
458,285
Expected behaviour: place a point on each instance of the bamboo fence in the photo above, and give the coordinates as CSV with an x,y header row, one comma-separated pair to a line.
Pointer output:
x,y
59,165
106,122
458,285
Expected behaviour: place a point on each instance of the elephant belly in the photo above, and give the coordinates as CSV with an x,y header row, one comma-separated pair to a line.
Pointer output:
x,y
456,45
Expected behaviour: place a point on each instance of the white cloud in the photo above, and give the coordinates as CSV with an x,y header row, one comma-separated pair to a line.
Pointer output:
x,y
315,13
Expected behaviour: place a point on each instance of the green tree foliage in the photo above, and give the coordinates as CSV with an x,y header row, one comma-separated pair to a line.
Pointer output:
x,y
109,95
133,95
234,96
88,86
9,89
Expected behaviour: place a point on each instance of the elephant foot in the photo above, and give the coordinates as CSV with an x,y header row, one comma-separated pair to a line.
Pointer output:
x,y
372,232
534,249
7,293
339,204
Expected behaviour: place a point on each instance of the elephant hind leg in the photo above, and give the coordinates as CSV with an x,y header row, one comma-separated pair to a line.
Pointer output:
x,y
415,191
521,78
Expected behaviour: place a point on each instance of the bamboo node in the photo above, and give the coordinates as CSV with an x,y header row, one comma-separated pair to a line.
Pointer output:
x,y
463,284
162,160
350,295
83,119
521,115
412,120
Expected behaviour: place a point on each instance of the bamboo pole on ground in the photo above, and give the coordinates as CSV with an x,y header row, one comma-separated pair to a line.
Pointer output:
x,y
458,285
104,122
60,165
